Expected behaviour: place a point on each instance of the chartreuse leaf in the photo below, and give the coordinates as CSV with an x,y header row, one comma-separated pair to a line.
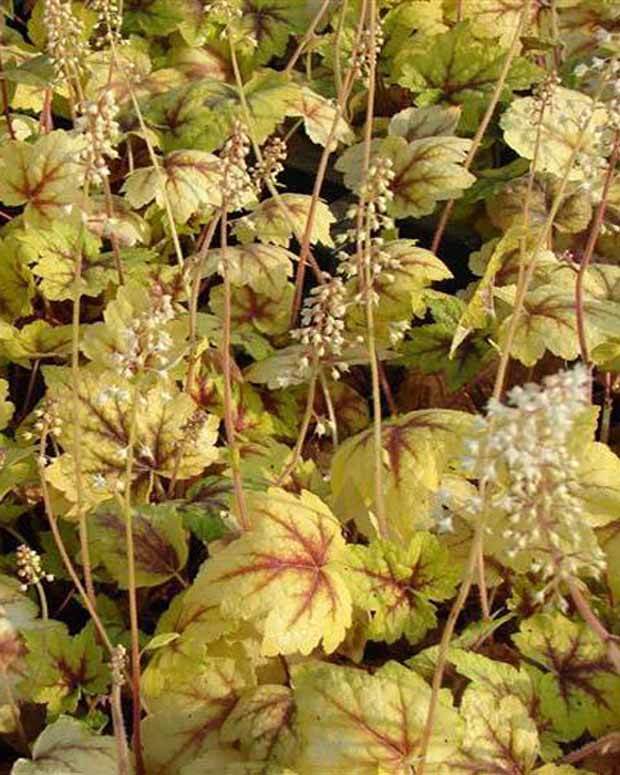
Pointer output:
x,y
351,721
498,18
186,721
56,251
6,407
499,736
261,725
68,745
403,290
284,573
159,538
172,438
431,121
62,667
454,67
200,115
580,690
189,180
277,221
269,314
37,340
417,447
321,120
396,584
17,287
426,171
264,268
555,137
44,176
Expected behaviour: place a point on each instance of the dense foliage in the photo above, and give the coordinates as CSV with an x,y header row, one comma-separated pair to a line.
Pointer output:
x,y
309,341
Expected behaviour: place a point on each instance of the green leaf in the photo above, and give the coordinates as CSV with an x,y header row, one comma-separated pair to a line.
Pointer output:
x,y
426,171
321,119
6,407
38,340
431,121
499,736
56,251
580,689
69,746
160,543
268,314
560,131
284,573
161,641
17,288
62,667
277,221
189,180
417,448
264,268
261,725
456,68
44,176
396,585
173,437
356,722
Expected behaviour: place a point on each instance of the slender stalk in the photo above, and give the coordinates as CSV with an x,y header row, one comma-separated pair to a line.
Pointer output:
x,y
588,252
125,503
77,448
486,120
6,102
305,424
45,615
123,765
116,251
333,421
229,425
304,251
608,405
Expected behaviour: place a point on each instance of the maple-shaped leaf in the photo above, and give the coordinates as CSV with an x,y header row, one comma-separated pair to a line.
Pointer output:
x,y
454,67
17,286
430,121
396,584
68,745
500,736
269,314
351,721
426,171
506,207
320,119
501,18
172,436
186,722
264,268
580,689
284,572
277,221
556,136
609,541
599,483
547,322
417,448
44,176
62,667
262,725
56,251
200,115
159,538
190,181
37,340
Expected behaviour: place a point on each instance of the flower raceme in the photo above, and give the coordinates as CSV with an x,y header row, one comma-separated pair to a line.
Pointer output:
x,y
530,496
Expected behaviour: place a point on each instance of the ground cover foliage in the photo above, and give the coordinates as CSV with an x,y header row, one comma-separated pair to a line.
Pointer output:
x,y
309,349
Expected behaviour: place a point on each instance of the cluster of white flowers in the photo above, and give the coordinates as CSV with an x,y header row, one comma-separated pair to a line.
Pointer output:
x,y
322,324
30,568
237,184
100,130
523,456
224,11
65,38
365,54
118,665
146,343
45,417
109,21
271,165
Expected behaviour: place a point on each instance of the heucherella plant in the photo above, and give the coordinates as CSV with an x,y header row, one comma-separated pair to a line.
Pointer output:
x,y
309,374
